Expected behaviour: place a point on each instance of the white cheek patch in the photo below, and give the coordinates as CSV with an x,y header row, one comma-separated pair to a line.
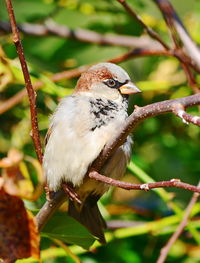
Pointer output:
x,y
102,90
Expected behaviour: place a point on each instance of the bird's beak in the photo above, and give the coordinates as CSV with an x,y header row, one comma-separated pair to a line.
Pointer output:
x,y
129,89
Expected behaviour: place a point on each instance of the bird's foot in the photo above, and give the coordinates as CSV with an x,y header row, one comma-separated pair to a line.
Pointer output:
x,y
69,190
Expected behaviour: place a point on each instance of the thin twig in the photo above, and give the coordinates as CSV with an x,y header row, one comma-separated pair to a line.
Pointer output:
x,y
168,16
29,87
146,187
149,30
165,250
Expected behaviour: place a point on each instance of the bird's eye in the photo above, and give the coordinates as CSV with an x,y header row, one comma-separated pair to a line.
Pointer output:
x,y
111,83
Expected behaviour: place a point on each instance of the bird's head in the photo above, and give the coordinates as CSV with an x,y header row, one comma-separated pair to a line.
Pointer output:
x,y
107,80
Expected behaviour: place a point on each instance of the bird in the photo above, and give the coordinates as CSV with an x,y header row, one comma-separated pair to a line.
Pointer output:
x,y
79,129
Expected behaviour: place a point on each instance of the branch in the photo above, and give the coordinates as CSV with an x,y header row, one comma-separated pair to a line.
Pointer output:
x,y
168,17
165,250
148,29
146,187
29,87
88,36
49,208
140,114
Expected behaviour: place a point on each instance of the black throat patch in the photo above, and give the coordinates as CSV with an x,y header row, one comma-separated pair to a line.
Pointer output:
x,y
105,110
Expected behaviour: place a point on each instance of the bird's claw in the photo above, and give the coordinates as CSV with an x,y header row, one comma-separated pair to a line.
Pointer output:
x,y
69,190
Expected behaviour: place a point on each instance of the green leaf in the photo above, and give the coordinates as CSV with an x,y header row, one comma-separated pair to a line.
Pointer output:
x,y
68,230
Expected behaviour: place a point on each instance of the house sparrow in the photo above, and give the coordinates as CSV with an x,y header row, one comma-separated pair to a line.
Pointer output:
x,y
80,127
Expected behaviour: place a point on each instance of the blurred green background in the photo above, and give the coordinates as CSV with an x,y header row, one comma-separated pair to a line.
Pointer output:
x,y
164,147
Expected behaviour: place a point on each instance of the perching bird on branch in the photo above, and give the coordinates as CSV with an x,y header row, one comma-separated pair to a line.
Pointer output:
x,y
80,127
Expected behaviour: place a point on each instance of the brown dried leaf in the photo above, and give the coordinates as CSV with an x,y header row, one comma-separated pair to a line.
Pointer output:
x,y
19,235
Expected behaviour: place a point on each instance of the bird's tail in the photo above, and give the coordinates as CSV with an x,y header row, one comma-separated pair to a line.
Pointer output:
x,y
89,216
